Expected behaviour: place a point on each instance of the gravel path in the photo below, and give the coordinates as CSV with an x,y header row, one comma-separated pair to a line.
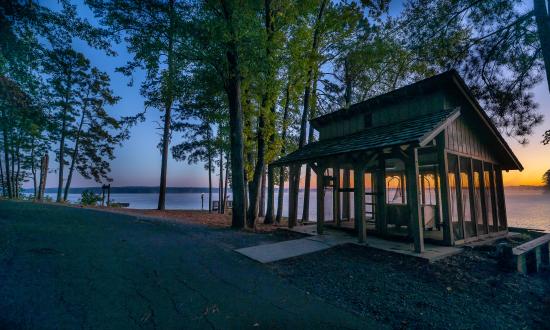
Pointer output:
x,y
68,268
466,291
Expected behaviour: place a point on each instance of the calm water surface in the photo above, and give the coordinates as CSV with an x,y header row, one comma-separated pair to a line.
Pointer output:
x,y
526,207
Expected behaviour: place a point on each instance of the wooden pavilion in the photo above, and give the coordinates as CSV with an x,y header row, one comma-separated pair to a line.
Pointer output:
x,y
423,162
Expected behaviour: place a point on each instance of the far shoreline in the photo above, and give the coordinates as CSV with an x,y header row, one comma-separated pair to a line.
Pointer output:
x,y
193,190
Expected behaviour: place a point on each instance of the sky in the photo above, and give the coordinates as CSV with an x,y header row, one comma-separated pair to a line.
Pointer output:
x,y
138,160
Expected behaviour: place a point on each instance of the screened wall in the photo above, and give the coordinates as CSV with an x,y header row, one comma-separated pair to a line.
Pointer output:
x,y
476,197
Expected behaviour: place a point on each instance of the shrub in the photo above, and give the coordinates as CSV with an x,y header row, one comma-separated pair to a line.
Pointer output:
x,y
88,197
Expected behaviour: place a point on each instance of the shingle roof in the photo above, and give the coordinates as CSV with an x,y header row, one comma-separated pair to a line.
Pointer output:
x,y
416,130
450,81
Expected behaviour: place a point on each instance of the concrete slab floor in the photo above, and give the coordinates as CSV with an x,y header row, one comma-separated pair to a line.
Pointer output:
x,y
266,253
431,252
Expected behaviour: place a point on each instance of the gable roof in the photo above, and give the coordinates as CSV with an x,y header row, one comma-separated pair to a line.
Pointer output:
x,y
420,130
449,80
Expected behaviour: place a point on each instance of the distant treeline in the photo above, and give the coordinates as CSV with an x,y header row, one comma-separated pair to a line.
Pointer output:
x,y
137,190
131,190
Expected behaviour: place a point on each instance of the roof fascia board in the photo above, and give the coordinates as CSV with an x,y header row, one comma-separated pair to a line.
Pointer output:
x,y
444,124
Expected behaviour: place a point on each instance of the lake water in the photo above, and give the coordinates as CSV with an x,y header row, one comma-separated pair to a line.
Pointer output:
x,y
526,207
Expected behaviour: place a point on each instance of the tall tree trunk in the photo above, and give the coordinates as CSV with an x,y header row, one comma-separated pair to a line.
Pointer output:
x,y
543,29
284,127
164,164
13,174
62,151
294,175
220,186
225,185
33,170
43,176
237,143
74,156
7,162
2,182
307,183
346,205
270,212
348,82
209,151
259,169
169,99
261,209
17,156
233,89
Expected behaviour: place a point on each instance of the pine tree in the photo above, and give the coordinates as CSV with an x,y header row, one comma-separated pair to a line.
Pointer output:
x,y
153,33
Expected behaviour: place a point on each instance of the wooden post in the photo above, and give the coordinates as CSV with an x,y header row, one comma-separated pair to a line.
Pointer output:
x,y
414,201
336,197
346,205
483,198
444,190
292,208
459,199
502,200
359,182
380,211
437,199
402,187
320,171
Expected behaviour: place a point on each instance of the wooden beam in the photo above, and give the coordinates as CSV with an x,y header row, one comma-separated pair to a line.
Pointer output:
x,y
444,209
473,212
460,208
380,206
502,200
336,197
414,202
484,199
437,199
314,167
320,201
359,182
346,205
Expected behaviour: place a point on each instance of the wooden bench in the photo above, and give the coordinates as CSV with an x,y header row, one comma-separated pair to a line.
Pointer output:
x,y
533,255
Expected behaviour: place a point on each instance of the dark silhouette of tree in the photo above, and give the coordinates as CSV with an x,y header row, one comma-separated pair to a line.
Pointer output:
x,y
96,134
546,180
494,44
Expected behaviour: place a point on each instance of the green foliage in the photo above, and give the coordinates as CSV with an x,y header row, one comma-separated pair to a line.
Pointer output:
x,y
89,198
30,31
492,43
85,131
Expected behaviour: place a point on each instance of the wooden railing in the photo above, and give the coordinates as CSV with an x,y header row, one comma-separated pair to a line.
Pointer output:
x,y
532,256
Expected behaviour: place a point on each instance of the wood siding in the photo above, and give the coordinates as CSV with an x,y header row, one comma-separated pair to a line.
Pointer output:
x,y
462,139
402,111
